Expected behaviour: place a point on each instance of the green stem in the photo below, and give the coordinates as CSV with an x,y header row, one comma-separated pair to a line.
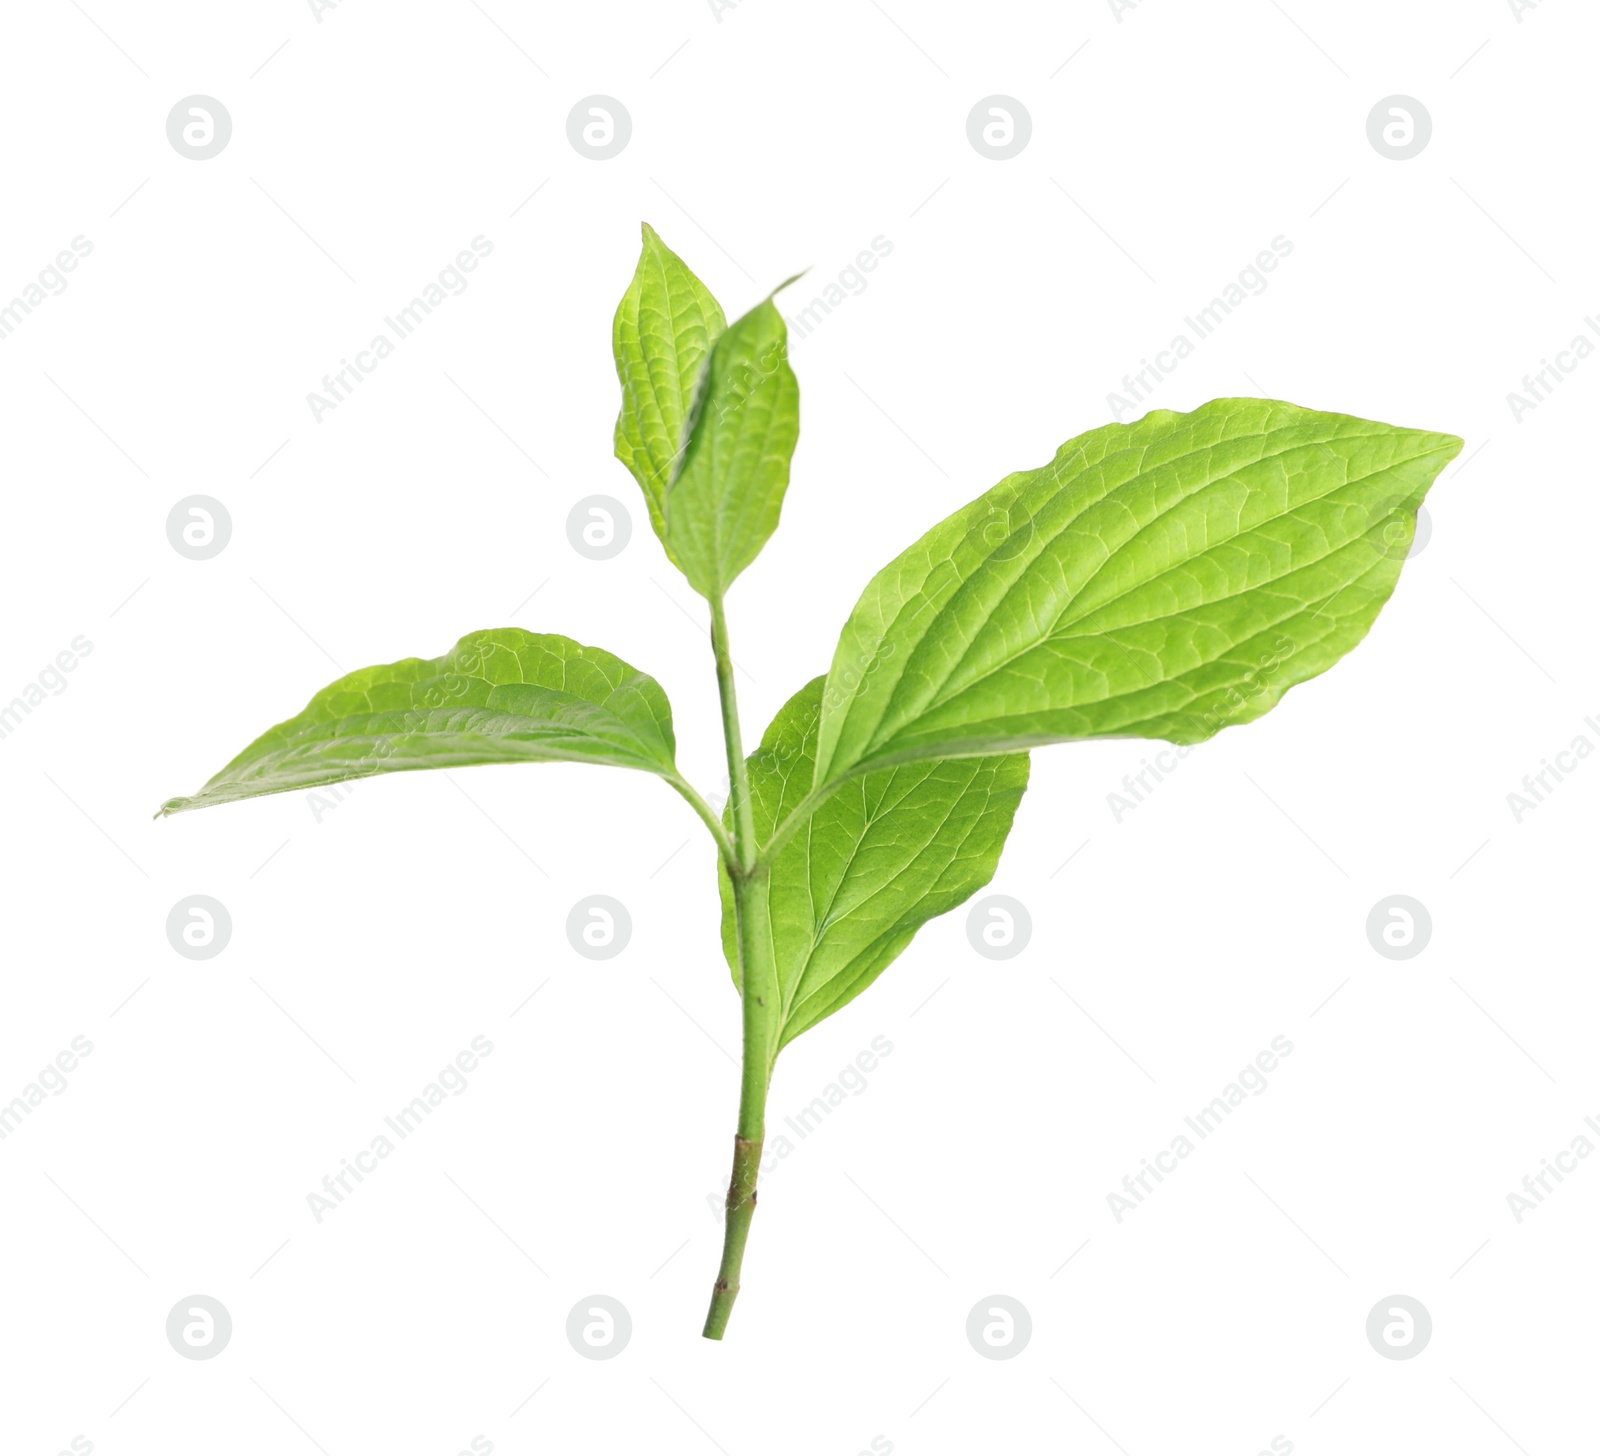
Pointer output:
x,y
744,828
708,817
757,991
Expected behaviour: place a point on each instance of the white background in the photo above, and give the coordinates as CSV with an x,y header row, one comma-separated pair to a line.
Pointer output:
x,y
369,946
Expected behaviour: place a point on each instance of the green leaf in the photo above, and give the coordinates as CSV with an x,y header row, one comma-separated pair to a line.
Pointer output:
x,y
662,333
725,502
878,858
1161,579
504,696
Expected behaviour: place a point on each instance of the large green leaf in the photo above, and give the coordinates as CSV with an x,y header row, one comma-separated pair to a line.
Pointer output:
x,y
879,858
1161,579
662,333
504,696
724,503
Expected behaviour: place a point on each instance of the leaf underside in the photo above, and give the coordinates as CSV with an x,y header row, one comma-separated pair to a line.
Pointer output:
x,y
1161,579
663,331
880,857
501,696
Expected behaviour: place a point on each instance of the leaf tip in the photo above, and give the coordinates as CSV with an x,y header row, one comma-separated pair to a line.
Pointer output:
x,y
786,282
1438,450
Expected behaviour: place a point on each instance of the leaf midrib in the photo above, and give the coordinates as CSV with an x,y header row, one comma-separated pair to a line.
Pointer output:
x,y
672,355
1131,729
328,730
1183,500
943,694
1059,479
821,926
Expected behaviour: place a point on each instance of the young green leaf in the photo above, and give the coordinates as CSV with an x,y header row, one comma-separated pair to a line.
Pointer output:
x,y
1161,579
879,858
724,504
662,333
503,696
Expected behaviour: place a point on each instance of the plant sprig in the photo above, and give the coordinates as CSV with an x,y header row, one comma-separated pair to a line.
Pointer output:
x,y
1160,579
